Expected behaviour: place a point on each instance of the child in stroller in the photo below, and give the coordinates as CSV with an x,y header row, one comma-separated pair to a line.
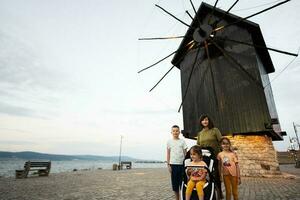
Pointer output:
x,y
209,187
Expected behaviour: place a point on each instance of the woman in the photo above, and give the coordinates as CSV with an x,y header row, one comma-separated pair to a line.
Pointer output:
x,y
210,137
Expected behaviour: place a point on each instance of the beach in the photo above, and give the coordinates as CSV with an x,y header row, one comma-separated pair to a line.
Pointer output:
x,y
135,184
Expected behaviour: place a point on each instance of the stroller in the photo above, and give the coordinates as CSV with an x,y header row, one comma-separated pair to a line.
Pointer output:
x,y
210,190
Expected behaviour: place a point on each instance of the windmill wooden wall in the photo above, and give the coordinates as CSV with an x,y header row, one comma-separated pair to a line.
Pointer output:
x,y
238,103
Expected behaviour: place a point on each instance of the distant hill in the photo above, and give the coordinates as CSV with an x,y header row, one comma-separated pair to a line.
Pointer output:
x,y
29,155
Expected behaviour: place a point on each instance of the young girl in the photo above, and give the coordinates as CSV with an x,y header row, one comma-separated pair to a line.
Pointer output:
x,y
196,172
228,164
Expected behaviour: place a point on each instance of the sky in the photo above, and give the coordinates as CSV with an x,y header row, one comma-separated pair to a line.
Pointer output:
x,y
69,81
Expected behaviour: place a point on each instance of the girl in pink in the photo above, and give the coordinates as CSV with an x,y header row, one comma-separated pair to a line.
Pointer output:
x,y
228,165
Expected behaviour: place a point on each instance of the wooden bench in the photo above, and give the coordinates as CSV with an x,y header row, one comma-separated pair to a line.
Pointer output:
x,y
41,167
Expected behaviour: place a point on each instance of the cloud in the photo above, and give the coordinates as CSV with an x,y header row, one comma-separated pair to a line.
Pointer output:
x,y
27,85
140,112
16,110
16,142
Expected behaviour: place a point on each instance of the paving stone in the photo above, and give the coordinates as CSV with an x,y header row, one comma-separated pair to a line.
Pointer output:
x,y
134,184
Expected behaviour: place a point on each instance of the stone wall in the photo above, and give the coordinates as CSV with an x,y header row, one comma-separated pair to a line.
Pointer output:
x,y
257,156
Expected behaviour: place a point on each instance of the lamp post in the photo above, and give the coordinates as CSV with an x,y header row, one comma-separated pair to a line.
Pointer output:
x,y
297,138
120,153
296,153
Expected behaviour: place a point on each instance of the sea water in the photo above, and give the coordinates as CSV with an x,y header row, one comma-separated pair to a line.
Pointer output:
x,y
8,166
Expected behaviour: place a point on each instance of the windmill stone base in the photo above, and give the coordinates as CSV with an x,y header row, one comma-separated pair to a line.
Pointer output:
x,y
257,156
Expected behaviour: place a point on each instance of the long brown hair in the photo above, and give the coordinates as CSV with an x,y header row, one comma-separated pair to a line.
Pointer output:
x,y
210,122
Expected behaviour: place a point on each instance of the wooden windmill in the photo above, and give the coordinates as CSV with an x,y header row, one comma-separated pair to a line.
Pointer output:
x,y
229,80
224,64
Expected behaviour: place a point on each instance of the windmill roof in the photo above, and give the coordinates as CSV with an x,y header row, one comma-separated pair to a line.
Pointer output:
x,y
252,27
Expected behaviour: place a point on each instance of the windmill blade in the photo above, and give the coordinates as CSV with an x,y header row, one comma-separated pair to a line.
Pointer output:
x,y
231,6
257,46
238,64
162,78
212,75
222,18
212,12
190,45
203,75
193,7
281,71
189,80
243,19
158,61
201,81
172,15
199,23
200,29
187,12
162,38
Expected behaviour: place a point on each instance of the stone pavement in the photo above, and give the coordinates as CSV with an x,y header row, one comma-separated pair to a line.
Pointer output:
x,y
284,188
135,184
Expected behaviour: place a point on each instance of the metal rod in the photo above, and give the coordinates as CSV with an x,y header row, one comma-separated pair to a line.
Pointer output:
x,y
158,61
296,133
120,153
162,78
190,43
187,12
212,12
238,64
162,38
258,46
199,23
189,80
243,19
211,74
222,18
203,75
172,15
281,71
232,6
193,7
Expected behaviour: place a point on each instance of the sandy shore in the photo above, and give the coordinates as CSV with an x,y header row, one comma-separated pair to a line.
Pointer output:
x,y
135,184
